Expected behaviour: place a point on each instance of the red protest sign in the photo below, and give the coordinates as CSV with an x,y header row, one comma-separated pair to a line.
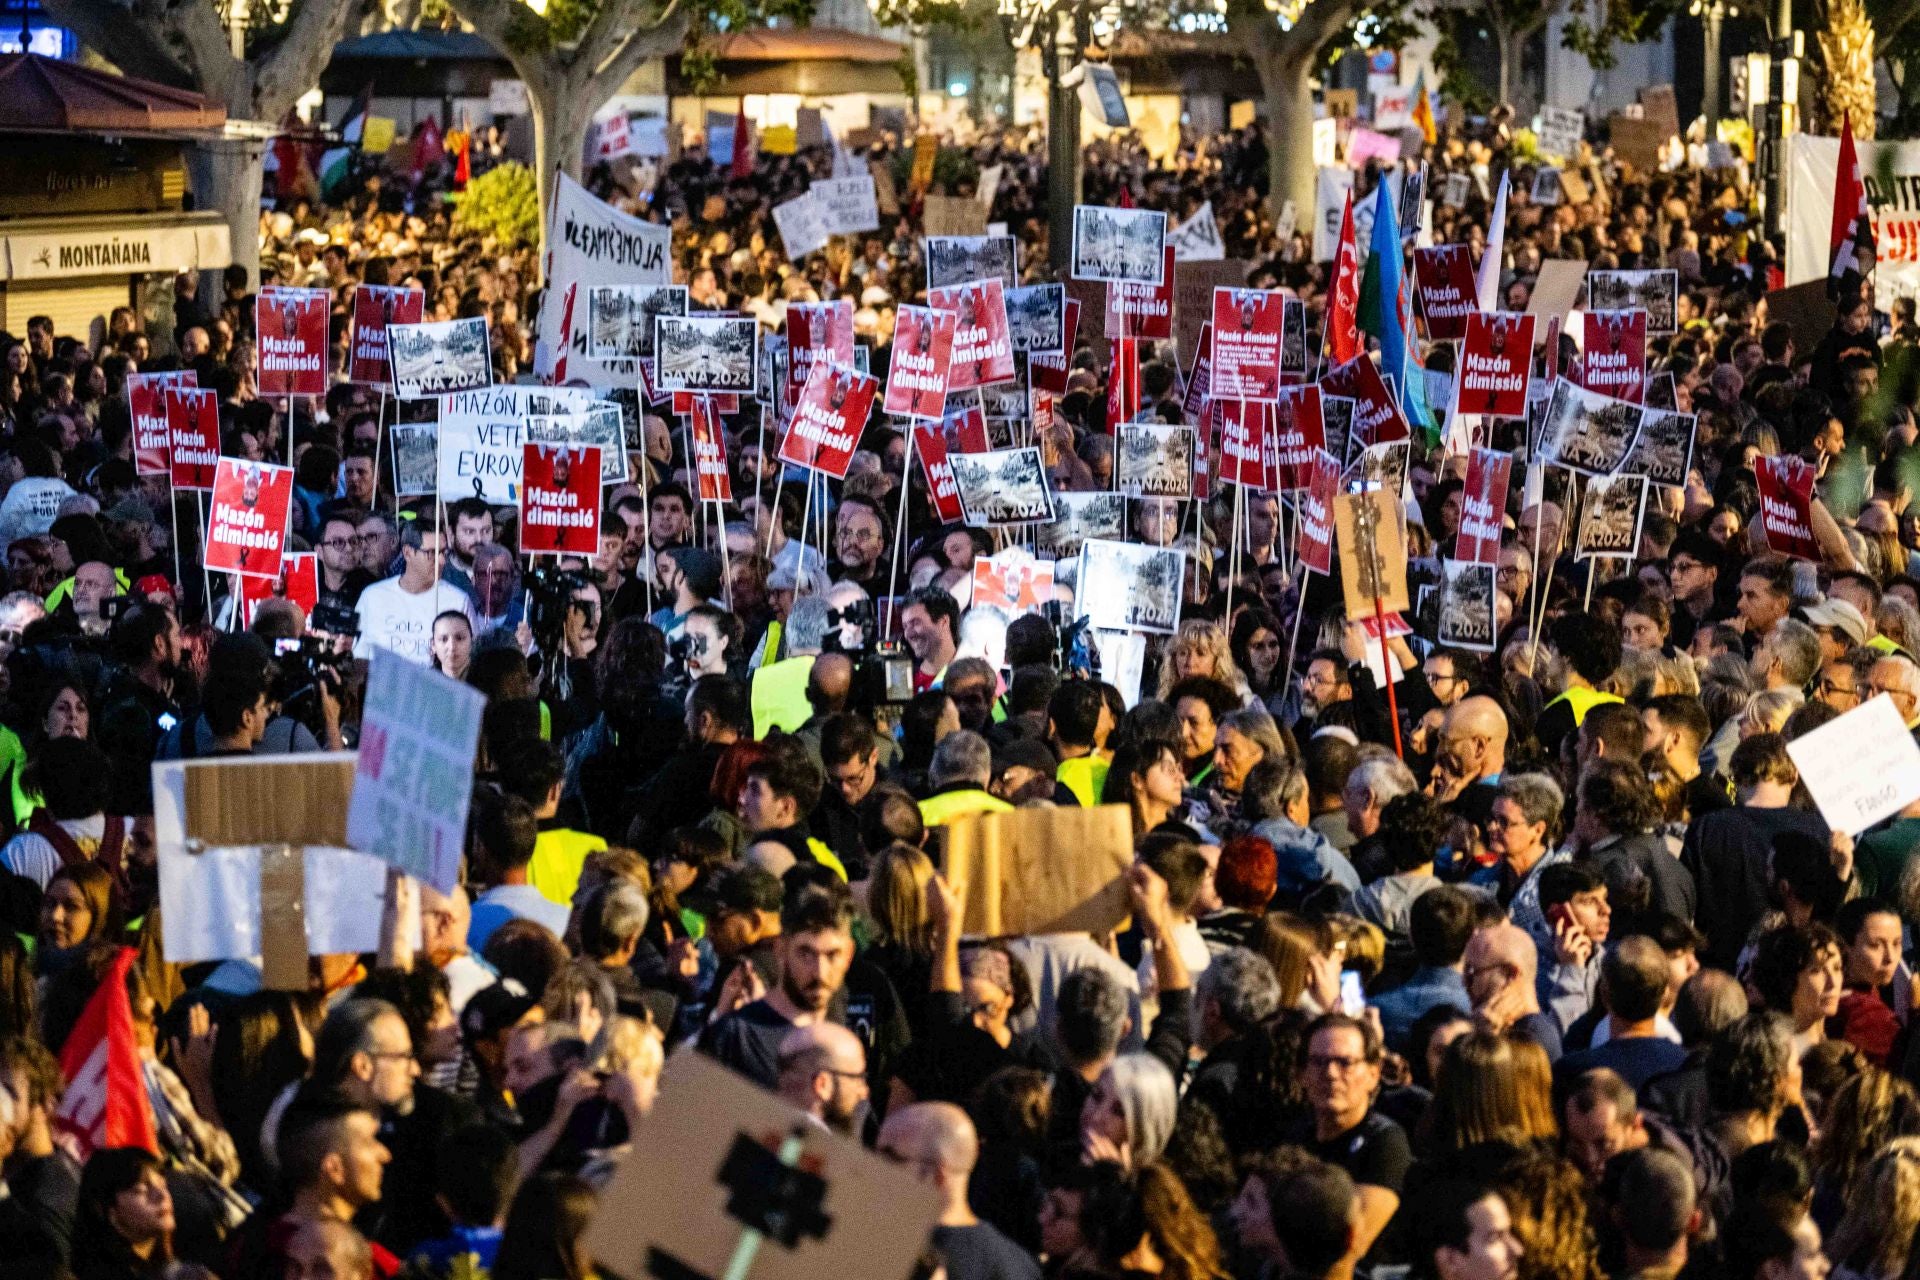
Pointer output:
x,y
1247,328
375,306
724,402
827,421
193,430
1141,310
560,499
1244,429
1299,436
710,452
290,326
922,352
931,445
1200,373
1615,359
147,405
965,429
1443,277
1786,504
1123,383
982,348
248,530
1376,414
1313,535
1482,505
816,332
1496,359
299,581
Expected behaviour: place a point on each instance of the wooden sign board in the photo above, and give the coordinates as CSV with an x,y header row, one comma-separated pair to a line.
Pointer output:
x,y
885,197
951,215
1343,104
1390,545
1043,870
272,800
834,1209
1193,286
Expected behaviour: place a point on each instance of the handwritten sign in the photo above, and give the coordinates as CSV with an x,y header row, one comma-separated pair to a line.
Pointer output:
x,y
1860,768
413,778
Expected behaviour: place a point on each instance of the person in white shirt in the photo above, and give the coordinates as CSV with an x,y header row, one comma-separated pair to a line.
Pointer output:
x,y
1180,863
397,613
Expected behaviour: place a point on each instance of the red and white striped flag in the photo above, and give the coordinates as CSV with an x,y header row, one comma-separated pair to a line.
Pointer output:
x,y
106,1102
1851,242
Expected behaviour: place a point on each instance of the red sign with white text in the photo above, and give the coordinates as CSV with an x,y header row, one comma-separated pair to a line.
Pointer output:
x,y
1785,482
1376,414
982,348
922,352
710,452
829,418
1244,428
193,432
147,404
1313,535
724,402
1483,503
931,444
248,530
299,581
1142,310
375,306
1495,361
1200,374
1247,328
290,326
816,332
1299,435
1443,277
1615,359
560,499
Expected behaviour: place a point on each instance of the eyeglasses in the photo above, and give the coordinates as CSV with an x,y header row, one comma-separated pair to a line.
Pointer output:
x,y
1874,691
363,539
1339,1064
1838,691
338,544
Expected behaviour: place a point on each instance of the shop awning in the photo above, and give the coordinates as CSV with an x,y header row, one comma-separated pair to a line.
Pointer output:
x,y
140,244
44,95
815,61
805,44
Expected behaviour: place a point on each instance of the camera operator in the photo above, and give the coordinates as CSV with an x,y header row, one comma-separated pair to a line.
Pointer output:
x,y
570,689
311,672
711,641
142,700
225,723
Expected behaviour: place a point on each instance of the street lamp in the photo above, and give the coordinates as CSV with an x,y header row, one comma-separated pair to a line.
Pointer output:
x,y
1711,14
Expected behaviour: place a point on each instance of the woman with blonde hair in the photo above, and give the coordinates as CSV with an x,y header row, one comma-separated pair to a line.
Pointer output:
x,y
903,941
1200,649
1874,1240
1492,1088
1302,955
1862,1117
1547,1199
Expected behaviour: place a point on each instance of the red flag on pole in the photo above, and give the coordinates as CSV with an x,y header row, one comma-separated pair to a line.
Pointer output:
x,y
742,166
106,1102
1850,245
1341,342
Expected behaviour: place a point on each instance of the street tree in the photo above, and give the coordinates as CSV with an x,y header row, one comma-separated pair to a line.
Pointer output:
x,y
187,44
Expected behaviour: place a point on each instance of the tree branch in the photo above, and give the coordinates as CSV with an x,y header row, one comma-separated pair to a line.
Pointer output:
x,y
494,21
124,39
628,46
295,63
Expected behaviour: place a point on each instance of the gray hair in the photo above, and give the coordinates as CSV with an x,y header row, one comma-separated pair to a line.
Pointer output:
x,y
1150,1099
1270,787
1796,646
1384,778
1537,796
807,624
614,915
1242,984
1255,725
983,630
961,757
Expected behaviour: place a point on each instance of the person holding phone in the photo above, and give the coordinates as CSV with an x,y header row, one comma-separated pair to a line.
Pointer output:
x,y
1573,898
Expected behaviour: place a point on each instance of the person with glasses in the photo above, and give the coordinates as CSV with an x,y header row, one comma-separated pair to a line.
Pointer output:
x,y
341,577
861,545
398,613
1342,1081
1841,683
376,543
823,1072
1693,572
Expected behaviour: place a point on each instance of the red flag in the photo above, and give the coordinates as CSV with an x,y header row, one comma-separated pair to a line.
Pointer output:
x,y
428,149
106,1103
1342,339
1126,197
1850,244
742,166
566,338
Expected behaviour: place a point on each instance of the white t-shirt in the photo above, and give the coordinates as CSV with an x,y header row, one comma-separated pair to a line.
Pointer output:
x,y
31,506
400,620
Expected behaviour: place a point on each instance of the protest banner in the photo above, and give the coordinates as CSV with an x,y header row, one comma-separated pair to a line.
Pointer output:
x,y
754,1182
710,452
1313,533
816,331
1373,552
1561,130
1043,870
193,431
375,307
147,406
478,454
1012,581
954,216
1299,437
1193,287
299,582
1483,506
1496,359
248,530
802,224
982,348
600,424
1610,518
1860,768
1443,277
931,444
707,353
413,774
1198,238
847,205
440,358
560,499
1589,431
610,138
1131,586
1663,451
1118,246
1654,292
1247,327
1890,171
1199,375
1377,418
1244,427
1785,482
1154,460
589,243
922,354
827,421
1003,487
964,425
290,327
1614,355
1142,311
1037,318
620,318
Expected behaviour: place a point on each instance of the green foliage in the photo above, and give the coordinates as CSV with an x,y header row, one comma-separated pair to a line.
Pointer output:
x,y
1621,22
503,202
1459,79
953,167
1525,148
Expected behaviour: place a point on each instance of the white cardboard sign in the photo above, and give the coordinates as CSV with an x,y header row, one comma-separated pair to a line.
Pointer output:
x,y
1861,768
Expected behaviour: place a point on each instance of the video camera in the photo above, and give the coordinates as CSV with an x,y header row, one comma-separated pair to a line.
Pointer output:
x,y
302,667
882,669
550,599
1075,655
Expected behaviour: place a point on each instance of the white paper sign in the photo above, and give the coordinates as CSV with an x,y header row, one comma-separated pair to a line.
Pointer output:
x,y
481,433
1561,129
507,98
847,205
1861,768
413,777
1198,238
1331,186
590,242
803,226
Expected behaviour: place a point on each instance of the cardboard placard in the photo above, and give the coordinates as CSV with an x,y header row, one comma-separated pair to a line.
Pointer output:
x,y
1043,870
1193,286
374,308
560,499
922,353
710,452
440,358
193,427
247,531
1557,287
1637,141
1483,506
147,404
291,339
819,1204
953,216
1614,354
1860,768
1785,484
1381,511
827,422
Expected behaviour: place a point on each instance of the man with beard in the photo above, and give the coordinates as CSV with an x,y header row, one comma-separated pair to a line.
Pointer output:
x,y
341,577
471,520
142,705
815,949
823,1071
860,545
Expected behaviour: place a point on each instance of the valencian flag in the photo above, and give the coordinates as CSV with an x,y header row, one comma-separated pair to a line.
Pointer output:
x,y
1851,243
1341,342
1423,109
106,1104
1386,313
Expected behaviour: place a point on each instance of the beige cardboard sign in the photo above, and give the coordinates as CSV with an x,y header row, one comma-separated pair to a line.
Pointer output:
x,y
1193,286
1390,553
742,1160
1343,104
885,197
951,215
1043,870
1637,142
1555,291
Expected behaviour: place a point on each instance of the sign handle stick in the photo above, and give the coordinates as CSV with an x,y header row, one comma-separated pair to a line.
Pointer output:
x,y
173,506
726,557
760,464
1587,606
806,518
1299,612
773,511
1386,667
1536,610
206,574
900,532
1233,549
290,431
379,427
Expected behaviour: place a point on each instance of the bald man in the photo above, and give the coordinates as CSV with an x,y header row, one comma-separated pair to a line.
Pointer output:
x,y
1501,969
823,1071
1469,757
322,1249
444,920
937,1141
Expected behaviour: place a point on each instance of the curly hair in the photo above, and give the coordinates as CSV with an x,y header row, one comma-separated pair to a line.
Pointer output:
x,y
1174,1225
1866,1113
1547,1198
1199,636
1782,955
1875,1235
1618,795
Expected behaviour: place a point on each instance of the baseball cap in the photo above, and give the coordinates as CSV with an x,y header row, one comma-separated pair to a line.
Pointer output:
x,y
1841,616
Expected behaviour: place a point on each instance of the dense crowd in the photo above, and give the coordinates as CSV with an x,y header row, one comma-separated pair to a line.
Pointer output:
x,y
1545,968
